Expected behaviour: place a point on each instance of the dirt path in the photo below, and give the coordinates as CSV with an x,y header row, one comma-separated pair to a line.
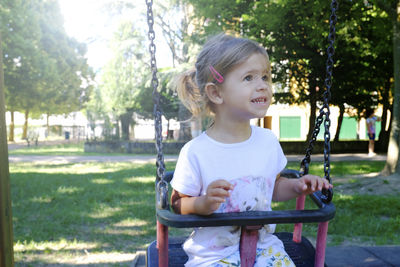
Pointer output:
x,y
369,184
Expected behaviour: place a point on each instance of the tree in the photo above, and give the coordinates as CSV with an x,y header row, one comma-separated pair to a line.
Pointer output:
x,y
6,225
169,101
115,96
123,75
21,34
295,33
66,78
180,37
45,70
123,97
363,68
301,40
393,154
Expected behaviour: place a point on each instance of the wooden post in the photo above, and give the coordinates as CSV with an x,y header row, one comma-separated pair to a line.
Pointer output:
x,y
6,229
268,122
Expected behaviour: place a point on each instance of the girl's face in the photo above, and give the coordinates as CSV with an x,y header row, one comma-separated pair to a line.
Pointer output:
x,y
246,90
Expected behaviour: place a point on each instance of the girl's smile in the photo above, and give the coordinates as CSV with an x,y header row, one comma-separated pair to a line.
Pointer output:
x,y
260,100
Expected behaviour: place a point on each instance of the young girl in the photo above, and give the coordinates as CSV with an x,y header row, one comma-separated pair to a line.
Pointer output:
x,y
232,166
371,119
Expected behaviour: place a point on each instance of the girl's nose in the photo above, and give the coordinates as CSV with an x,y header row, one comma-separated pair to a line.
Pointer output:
x,y
262,85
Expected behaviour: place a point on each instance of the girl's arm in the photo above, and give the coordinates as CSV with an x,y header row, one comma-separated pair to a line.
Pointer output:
x,y
286,189
216,193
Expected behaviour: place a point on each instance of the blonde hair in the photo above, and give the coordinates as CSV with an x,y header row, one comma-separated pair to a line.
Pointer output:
x,y
222,52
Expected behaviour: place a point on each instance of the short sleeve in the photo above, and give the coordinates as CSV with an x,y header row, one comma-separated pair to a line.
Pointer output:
x,y
281,158
187,179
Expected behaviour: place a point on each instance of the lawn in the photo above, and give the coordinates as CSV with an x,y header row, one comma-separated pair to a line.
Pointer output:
x,y
64,149
74,149
102,213
64,212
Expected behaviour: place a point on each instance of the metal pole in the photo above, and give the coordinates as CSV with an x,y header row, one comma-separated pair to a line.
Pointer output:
x,y
6,229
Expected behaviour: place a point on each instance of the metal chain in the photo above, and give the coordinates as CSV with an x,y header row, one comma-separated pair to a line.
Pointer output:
x,y
324,111
162,186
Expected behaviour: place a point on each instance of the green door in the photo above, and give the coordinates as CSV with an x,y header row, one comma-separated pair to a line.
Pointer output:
x,y
290,127
348,130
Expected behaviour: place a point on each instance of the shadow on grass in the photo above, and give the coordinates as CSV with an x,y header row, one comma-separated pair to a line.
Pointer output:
x,y
112,211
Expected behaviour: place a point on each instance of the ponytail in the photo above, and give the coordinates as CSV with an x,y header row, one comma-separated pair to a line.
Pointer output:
x,y
190,94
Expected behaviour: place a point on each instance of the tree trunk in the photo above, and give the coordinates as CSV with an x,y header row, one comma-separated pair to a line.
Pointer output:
x,y
185,132
340,121
313,110
384,134
117,130
170,133
25,129
12,125
6,226
392,161
126,120
132,135
48,124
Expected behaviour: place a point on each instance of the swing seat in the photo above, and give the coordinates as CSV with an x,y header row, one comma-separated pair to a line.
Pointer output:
x,y
302,253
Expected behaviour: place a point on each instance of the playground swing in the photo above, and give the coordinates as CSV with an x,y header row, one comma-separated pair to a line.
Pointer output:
x,y
164,252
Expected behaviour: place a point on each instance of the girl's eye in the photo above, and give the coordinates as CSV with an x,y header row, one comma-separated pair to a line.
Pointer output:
x,y
248,78
265,78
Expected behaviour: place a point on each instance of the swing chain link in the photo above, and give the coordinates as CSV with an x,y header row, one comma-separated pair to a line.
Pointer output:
x,y
327,195
161,185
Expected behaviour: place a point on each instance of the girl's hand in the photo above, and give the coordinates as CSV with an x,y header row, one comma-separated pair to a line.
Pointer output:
x,y
309,184
216,193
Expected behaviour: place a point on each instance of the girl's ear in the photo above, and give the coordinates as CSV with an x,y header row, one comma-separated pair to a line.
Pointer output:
x,y
213,93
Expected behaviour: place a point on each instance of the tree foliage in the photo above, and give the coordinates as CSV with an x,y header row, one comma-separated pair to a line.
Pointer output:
x,y
367,68
122,77
125,92
295,34
392,8
364,66
45,70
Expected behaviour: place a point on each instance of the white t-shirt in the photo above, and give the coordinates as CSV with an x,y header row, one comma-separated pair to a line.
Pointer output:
x,y
251,166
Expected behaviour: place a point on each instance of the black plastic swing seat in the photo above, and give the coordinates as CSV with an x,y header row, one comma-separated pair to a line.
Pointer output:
x,y
302,254
325,212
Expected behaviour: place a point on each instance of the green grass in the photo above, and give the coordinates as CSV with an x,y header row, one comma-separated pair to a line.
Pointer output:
x,y
102,213
71,149
69,210
360,219
61,149
343,168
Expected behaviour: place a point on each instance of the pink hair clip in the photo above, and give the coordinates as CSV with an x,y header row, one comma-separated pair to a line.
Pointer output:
x,y
218,77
